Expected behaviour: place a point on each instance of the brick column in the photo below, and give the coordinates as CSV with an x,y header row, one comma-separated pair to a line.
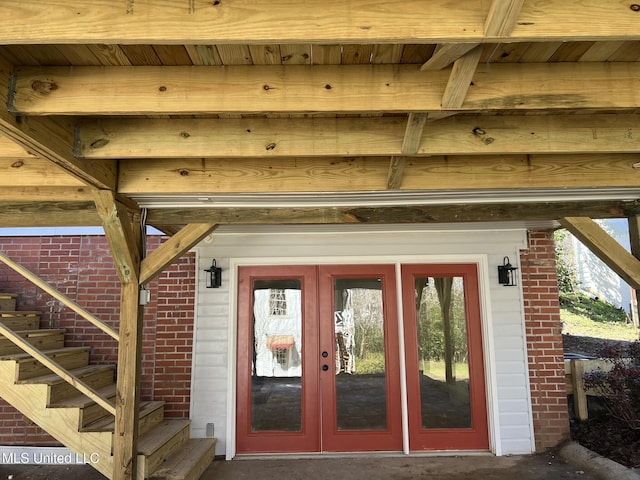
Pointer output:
x,y
544,341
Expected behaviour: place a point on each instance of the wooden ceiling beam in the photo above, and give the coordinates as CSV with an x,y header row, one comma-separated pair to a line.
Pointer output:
x,y
605,247
30,172
320,88
51,140
195,176
372,136
10,149
332,22
52,214
48,214
45,194
400,214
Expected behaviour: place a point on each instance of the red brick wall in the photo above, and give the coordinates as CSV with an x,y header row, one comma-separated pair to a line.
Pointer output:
x,y
544,341
81,267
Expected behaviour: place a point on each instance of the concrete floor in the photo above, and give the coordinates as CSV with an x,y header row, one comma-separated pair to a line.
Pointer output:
x,y
371,467
485,467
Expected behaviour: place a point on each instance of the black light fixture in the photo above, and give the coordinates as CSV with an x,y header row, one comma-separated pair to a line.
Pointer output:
x,y
214,277
507,273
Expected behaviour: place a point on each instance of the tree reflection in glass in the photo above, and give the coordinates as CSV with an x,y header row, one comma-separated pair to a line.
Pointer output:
x,y
443,354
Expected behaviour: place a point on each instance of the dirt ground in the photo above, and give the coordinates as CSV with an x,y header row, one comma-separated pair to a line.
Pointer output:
x,y
485,467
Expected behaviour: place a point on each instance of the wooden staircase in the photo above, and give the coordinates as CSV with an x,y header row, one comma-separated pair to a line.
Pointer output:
x,y
165,450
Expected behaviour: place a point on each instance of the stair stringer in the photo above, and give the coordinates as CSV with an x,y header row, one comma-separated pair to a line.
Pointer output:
x,y
61,423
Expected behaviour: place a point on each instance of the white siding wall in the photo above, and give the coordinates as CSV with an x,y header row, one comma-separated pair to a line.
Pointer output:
x,y
505,345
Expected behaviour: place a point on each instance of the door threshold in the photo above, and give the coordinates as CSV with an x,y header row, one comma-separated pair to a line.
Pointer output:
x,y
328,455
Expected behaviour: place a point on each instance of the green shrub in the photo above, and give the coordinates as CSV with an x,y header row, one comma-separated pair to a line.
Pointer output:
x,y
372,363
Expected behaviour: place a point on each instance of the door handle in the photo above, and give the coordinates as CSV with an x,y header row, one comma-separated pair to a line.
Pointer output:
x,y
325,368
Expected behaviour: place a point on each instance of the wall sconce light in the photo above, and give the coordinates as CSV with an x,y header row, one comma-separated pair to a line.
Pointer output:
x,y
214,277
507,273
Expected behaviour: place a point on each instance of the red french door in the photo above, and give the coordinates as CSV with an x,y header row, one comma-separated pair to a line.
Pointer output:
x,y
277,398
318,366
445,372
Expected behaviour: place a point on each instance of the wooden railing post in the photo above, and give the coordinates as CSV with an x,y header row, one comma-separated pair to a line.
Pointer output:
x,y
579,393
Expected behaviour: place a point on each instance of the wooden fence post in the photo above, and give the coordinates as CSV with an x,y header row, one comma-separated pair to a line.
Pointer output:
x,y
579,394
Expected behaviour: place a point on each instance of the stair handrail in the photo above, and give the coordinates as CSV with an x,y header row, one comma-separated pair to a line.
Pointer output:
x,y
57,369
33,278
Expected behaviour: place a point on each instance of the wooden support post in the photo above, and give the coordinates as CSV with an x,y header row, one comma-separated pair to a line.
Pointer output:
x,y
125,243
579,392
125,441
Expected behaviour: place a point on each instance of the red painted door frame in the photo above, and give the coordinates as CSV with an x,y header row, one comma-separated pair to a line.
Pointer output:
x,y
389,439
308,439
476,437
319,430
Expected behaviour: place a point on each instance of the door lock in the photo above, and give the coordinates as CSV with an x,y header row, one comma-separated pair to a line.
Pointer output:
x,y
325,368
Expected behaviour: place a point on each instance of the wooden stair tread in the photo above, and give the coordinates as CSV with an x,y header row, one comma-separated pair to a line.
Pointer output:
x,y
26,357
107,424
189,462
159,435
42,339
81,401
54,379
18,313
39,331
9,295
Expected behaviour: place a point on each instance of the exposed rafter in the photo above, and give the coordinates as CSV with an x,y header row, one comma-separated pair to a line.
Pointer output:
x,y
51,140
331,88
48,214
84,214
45,194
412,214
384,136
332,22
183,176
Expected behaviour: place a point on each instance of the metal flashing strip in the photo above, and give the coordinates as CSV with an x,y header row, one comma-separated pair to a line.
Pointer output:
x,y
383,198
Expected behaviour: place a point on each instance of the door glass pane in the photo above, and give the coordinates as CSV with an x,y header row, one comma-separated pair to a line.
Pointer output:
x,y
276,377
361,394
442,353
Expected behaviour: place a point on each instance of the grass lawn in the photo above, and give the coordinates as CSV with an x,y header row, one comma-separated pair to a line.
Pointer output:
x,y
436,370
584,317
578,325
